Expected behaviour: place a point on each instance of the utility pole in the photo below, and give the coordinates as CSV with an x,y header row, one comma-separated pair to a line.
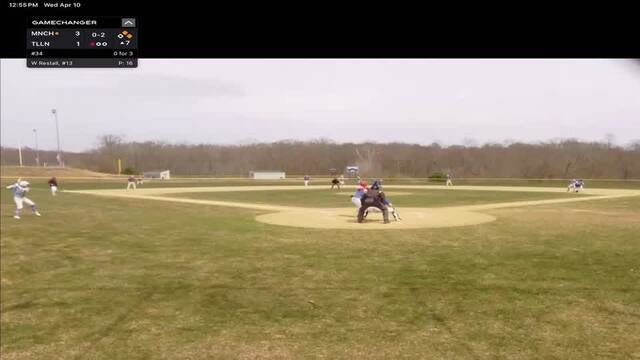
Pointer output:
x,y
59,157
20,153
35,133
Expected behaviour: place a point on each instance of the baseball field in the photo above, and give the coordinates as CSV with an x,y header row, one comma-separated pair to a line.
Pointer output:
x,y
238,269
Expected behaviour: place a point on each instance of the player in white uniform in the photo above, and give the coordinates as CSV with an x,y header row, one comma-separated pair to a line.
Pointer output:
x,y
20,189
53,185
576,185
131,182
449,182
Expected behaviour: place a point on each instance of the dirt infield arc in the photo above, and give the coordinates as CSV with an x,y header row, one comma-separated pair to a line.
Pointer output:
x,y
344,218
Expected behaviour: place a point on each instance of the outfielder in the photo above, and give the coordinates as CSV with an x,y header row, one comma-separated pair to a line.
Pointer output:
x,y
307,178
449,182
53,185
131,182
20,189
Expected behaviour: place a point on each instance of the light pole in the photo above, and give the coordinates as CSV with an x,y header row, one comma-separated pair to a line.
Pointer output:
x,y
59,157
35,134
20,152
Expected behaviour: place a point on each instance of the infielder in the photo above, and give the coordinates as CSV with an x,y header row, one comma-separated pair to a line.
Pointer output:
x,y
335,182
131,182
576,185
20,189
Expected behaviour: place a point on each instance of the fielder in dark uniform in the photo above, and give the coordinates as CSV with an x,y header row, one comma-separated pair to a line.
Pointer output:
x,y
53,185
374,197
335,182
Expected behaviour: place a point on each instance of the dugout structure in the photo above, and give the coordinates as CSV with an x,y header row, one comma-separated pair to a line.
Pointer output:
x,y
162,175
267,175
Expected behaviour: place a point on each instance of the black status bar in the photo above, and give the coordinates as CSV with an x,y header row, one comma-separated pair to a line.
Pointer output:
x,y
192,29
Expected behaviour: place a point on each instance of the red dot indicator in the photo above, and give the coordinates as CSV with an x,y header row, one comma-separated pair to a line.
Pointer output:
x,y
93,43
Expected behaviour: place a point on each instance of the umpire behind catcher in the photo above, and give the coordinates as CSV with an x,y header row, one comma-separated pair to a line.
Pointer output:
x,y
374,197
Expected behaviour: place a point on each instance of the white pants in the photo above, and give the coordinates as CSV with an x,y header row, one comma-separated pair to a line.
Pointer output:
x,y
575,188
306,183
449,183
54,190
376,210
391,210
356,202
21,201
131,185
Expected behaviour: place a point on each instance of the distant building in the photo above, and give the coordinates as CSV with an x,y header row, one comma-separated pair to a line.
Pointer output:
x,y
162,175
267,175
352,170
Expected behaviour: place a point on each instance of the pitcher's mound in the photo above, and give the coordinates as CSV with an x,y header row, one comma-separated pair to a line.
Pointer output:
x,y
345,218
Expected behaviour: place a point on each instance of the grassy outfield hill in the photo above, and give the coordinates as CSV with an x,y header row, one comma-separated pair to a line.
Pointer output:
x,y
10,172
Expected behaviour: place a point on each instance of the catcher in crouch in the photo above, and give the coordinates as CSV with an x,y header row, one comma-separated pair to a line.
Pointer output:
x,y
374,197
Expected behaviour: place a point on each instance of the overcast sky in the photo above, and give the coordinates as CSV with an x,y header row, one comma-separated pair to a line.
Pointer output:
x,y
238,101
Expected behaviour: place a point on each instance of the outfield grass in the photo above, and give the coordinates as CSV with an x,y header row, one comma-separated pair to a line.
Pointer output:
x,y
589,183
121,183
403,198
110,278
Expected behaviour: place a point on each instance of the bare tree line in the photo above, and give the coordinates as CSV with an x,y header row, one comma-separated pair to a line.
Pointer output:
x,y
553,159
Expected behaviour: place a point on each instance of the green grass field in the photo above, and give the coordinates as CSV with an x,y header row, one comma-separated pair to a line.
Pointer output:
x,y
114,278
339,198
